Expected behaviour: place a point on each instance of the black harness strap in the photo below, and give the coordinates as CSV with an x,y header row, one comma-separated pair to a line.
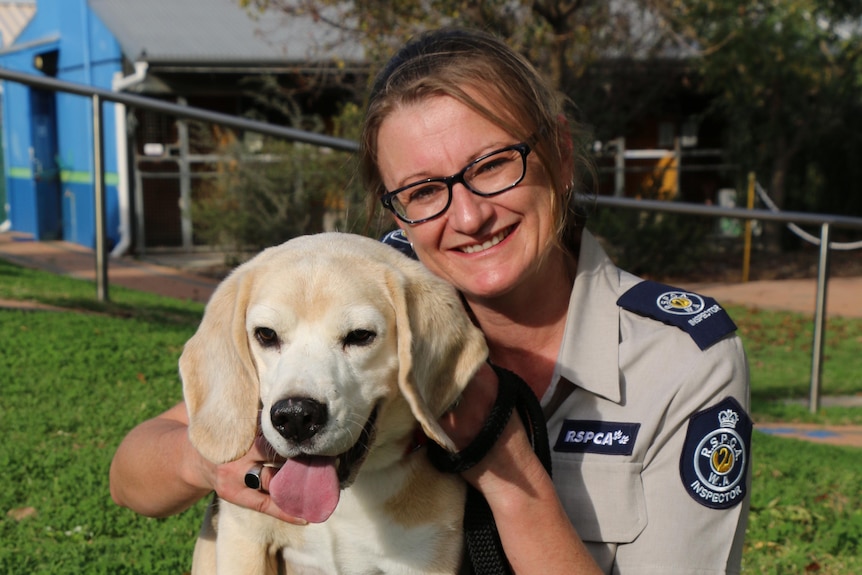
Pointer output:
x,y
482,540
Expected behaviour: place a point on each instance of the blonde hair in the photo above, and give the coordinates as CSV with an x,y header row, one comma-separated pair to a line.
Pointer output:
x,y
455,62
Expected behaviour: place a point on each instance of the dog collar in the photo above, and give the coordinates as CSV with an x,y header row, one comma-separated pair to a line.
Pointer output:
x,y
417,442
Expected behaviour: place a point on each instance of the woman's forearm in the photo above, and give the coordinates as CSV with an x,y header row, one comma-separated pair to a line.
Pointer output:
x,y
156,471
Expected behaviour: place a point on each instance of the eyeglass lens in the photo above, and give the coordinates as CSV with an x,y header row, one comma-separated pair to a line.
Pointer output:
x,y
486,176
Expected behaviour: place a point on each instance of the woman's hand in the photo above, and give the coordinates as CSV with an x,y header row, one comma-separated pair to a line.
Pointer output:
x,y
228,480
464,422
157,472
536,533
511,458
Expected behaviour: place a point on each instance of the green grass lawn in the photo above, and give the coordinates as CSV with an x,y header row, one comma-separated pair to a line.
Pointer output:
x,y
72,383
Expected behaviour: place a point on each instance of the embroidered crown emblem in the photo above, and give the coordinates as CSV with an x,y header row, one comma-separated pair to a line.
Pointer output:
x,y
728,418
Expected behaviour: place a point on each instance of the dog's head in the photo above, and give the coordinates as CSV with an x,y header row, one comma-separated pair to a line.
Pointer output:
x,y
341,342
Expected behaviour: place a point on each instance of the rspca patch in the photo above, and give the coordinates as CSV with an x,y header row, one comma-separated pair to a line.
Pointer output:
x,y
607,437
398,240
715,456
699,316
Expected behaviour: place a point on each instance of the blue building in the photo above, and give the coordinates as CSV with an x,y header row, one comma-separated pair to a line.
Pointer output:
x,y
195,52
48,162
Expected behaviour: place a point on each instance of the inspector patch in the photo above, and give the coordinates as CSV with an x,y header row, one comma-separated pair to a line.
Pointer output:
x,y
715,456
699,316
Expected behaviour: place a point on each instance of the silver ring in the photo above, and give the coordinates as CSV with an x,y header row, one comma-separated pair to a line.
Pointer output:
x,y
252,478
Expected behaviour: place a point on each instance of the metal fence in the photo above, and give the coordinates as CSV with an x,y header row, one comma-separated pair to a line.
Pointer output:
x,y
825,222
98,96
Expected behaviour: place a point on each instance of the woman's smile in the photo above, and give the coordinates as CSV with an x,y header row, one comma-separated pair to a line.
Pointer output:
x,y
488,244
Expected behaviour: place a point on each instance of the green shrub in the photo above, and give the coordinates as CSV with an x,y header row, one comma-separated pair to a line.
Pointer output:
x,y
278,191
651,243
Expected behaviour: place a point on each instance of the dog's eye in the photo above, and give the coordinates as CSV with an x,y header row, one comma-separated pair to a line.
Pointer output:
x,y
359,337
266,336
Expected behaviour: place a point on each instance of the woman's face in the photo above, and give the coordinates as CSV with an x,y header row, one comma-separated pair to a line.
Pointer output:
x,y
486,247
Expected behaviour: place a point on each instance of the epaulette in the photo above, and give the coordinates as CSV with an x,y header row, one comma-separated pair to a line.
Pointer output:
x,y
699,316
398,240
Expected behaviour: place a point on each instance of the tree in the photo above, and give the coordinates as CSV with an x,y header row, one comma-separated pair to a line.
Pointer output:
x,y
784,74
571,41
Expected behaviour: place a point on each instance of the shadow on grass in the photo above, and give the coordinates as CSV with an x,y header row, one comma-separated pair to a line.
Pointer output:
x,y
180,314
29,285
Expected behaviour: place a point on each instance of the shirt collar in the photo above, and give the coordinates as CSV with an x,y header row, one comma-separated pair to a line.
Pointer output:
x,y
589,354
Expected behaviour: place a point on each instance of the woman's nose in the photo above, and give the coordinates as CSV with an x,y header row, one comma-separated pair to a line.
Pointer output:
x,y
468,212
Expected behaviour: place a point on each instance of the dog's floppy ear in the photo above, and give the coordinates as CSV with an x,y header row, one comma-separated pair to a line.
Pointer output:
x,y
219,377
439,348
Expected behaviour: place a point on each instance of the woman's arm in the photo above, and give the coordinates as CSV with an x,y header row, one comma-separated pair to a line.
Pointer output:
x,y
157,472
535,531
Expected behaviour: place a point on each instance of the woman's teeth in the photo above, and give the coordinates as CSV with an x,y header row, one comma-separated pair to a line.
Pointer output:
x,y
488,244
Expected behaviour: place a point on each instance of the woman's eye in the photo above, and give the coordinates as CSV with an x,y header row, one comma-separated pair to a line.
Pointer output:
x,y
266,336
491,165
422,193
359,337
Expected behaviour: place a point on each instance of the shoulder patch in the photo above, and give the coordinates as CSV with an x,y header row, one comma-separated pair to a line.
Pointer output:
x,y
714,460
398,240
699,316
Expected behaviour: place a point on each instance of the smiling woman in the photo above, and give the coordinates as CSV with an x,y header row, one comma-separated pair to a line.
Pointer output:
x,y
590,339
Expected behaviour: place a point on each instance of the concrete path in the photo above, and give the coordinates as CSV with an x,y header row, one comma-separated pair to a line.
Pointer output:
x,y
64,258
174,275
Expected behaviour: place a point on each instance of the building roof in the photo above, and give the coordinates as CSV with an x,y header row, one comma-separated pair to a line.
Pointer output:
x,y
219,33
14,16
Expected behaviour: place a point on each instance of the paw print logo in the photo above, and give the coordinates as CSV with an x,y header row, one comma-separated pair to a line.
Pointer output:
x,y
620,438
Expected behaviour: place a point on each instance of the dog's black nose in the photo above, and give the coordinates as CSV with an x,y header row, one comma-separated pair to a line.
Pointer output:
x,y
298,418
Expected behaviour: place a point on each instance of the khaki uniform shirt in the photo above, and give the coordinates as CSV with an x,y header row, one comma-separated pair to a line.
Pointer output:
x,y
650,456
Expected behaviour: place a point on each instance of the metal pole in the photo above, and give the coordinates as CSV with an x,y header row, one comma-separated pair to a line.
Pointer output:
x,y
677,160
819,321
620,168
185,181
746,257
99,200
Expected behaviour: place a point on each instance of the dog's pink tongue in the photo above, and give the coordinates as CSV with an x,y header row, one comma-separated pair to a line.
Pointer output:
x,y
306,487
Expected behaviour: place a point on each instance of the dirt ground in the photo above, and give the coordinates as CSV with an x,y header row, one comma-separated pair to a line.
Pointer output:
x,y
799,264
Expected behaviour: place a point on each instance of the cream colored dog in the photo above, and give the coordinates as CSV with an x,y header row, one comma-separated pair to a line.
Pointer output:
x,y
338,349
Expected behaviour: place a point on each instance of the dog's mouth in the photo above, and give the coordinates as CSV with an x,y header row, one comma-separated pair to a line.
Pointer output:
x,y
309,486
348,463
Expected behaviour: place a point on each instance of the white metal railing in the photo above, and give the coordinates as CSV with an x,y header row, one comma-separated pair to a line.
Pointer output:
x,y
826,222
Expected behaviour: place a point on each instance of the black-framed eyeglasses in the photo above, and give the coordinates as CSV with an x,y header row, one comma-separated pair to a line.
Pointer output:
x,y
489,175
